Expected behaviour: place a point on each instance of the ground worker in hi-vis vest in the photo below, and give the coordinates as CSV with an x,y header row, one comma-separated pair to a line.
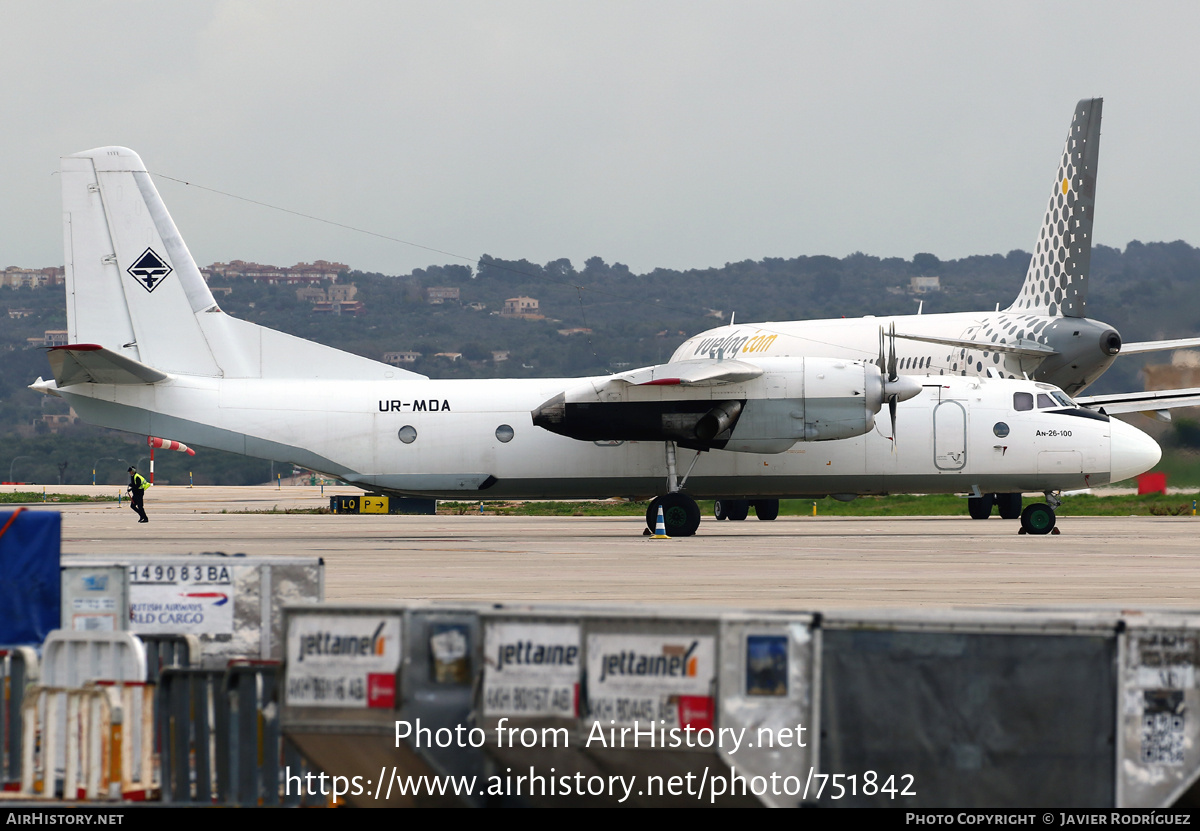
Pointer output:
x,y
137,487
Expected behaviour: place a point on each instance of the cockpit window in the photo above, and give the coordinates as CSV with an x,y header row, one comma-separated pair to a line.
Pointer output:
x,y
1022,401
1061,398
1044,401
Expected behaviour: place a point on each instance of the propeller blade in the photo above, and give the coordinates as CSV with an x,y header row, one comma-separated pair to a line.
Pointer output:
x,y
892,374
892,412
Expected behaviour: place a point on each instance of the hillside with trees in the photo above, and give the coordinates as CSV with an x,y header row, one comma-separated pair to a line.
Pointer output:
x,y
1145,291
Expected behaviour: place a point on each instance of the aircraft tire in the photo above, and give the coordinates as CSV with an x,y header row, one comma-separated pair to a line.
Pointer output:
x,y
681,514
980,507
1037,518
766,509
1009,505
732,509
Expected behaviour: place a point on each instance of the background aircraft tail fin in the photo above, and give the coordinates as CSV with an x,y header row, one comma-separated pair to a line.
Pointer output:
x,y
1056,283
133,287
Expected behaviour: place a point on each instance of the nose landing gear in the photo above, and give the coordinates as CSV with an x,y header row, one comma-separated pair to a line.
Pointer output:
x,y
1039,517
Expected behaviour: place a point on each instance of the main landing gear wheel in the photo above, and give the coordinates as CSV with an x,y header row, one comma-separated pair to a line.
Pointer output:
x,y
1009,505
766,509
1038,518
681,514
731,509
980,507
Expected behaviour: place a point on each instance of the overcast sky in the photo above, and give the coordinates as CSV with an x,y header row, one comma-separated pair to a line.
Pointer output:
x,y
675,134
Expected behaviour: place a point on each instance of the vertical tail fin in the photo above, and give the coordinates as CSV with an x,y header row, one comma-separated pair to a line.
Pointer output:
x,y
1056,283
133,287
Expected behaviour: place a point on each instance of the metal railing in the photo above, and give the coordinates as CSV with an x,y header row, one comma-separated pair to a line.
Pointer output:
x,y
221,737
18,669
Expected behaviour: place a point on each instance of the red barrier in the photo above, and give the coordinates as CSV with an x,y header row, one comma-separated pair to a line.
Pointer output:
x,y
1152,483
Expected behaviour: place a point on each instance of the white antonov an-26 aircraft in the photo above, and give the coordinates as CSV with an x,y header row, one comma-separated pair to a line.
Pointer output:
x,y
151,352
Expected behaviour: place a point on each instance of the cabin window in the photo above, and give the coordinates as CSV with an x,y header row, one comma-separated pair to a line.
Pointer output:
x,y
407,434
1022,401
504,433
1001,429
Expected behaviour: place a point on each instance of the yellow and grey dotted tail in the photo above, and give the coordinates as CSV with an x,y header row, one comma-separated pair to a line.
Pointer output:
x,y
1056,283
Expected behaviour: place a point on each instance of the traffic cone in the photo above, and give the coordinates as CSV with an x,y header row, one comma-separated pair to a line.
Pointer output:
x,y
660,527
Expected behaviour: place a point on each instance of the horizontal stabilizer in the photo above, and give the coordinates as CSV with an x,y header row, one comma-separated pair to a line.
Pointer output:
x,y
705,373
1159,345
87,363
1142,402
1021,347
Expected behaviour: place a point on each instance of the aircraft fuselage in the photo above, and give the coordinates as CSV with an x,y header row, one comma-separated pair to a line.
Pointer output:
x,y
476,440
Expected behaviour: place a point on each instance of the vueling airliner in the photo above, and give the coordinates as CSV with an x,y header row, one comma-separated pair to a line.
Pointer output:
x,y
1044,335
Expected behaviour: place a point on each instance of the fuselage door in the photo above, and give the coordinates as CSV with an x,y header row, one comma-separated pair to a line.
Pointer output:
x,y
949,436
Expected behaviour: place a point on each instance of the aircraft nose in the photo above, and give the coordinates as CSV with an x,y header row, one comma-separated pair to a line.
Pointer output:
x,y
1133,452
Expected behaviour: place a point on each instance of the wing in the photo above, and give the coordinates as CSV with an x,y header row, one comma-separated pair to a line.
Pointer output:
x,y
1159,345
703,373
1155,403
1021,347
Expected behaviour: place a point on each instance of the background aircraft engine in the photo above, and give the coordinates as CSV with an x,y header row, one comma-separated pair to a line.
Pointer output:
x,y
784,401
1083,349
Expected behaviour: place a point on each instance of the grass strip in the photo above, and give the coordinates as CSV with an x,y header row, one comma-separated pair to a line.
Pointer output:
x,y
37,497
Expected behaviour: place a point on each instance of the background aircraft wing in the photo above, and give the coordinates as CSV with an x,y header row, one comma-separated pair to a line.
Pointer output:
x,y
1159,345
1155,402
1021,347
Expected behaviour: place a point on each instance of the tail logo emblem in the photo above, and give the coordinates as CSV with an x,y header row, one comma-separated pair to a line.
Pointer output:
x,y
150,270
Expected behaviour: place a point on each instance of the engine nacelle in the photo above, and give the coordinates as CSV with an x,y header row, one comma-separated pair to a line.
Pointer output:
x,y
791,400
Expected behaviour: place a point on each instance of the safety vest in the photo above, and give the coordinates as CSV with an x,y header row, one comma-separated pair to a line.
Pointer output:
x,y
139,482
